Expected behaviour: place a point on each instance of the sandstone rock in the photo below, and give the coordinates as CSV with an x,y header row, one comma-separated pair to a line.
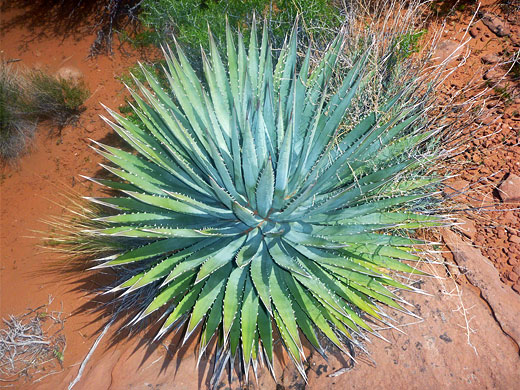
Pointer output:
x,y
446,49
483,275
514,239
474,32
467,227
515,38
495,24
494,75
431,355
70,73
509,190
436,353
486,119
456,190
490,58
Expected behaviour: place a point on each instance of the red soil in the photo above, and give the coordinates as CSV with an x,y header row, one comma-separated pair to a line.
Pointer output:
x,y
30,190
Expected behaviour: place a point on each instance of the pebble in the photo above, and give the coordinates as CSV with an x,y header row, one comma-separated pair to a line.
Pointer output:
x,y
495,24
474,32
493,75
69,73
514,239
490,58
509,190
446,49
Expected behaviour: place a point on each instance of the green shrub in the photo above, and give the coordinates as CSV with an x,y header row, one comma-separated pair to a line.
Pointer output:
x,y
265,200
56,99
17,122
188,20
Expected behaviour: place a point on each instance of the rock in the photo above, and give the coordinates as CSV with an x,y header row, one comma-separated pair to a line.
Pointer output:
x,y
435,353
514,239
474,32
70,73
512,276
501,233
476,159
456,190
483,275
486,119
446,49
490,58
467,227
495,24
515,37
494,75
509,190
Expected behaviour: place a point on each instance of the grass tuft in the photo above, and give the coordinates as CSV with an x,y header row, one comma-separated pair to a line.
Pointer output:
x,y
17,122
56,99
28,97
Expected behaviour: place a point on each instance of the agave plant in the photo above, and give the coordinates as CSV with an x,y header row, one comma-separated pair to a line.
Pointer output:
x,y
254,210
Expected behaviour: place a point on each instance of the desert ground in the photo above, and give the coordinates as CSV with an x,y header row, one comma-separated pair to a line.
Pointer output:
x,y
468,336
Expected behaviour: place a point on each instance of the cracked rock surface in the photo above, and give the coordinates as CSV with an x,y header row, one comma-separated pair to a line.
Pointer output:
x,y
504,303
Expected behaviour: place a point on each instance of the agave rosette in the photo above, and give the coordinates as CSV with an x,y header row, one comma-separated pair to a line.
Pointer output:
x,y
253,210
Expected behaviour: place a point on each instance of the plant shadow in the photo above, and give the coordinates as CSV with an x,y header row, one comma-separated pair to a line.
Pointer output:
x,y
72,18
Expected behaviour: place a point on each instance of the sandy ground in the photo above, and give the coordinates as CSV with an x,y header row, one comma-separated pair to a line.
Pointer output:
x,y
451,348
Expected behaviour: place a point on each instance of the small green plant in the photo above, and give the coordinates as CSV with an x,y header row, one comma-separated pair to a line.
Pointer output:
x,y
258,205
504,94
59,355
56,99
408,43
17,121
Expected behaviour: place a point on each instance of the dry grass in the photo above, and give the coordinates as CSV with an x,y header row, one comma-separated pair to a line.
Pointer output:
x,y
17,124
30,96
32,346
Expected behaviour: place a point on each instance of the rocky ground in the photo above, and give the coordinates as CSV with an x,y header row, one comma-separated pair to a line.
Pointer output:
x,y
468,337
487,185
